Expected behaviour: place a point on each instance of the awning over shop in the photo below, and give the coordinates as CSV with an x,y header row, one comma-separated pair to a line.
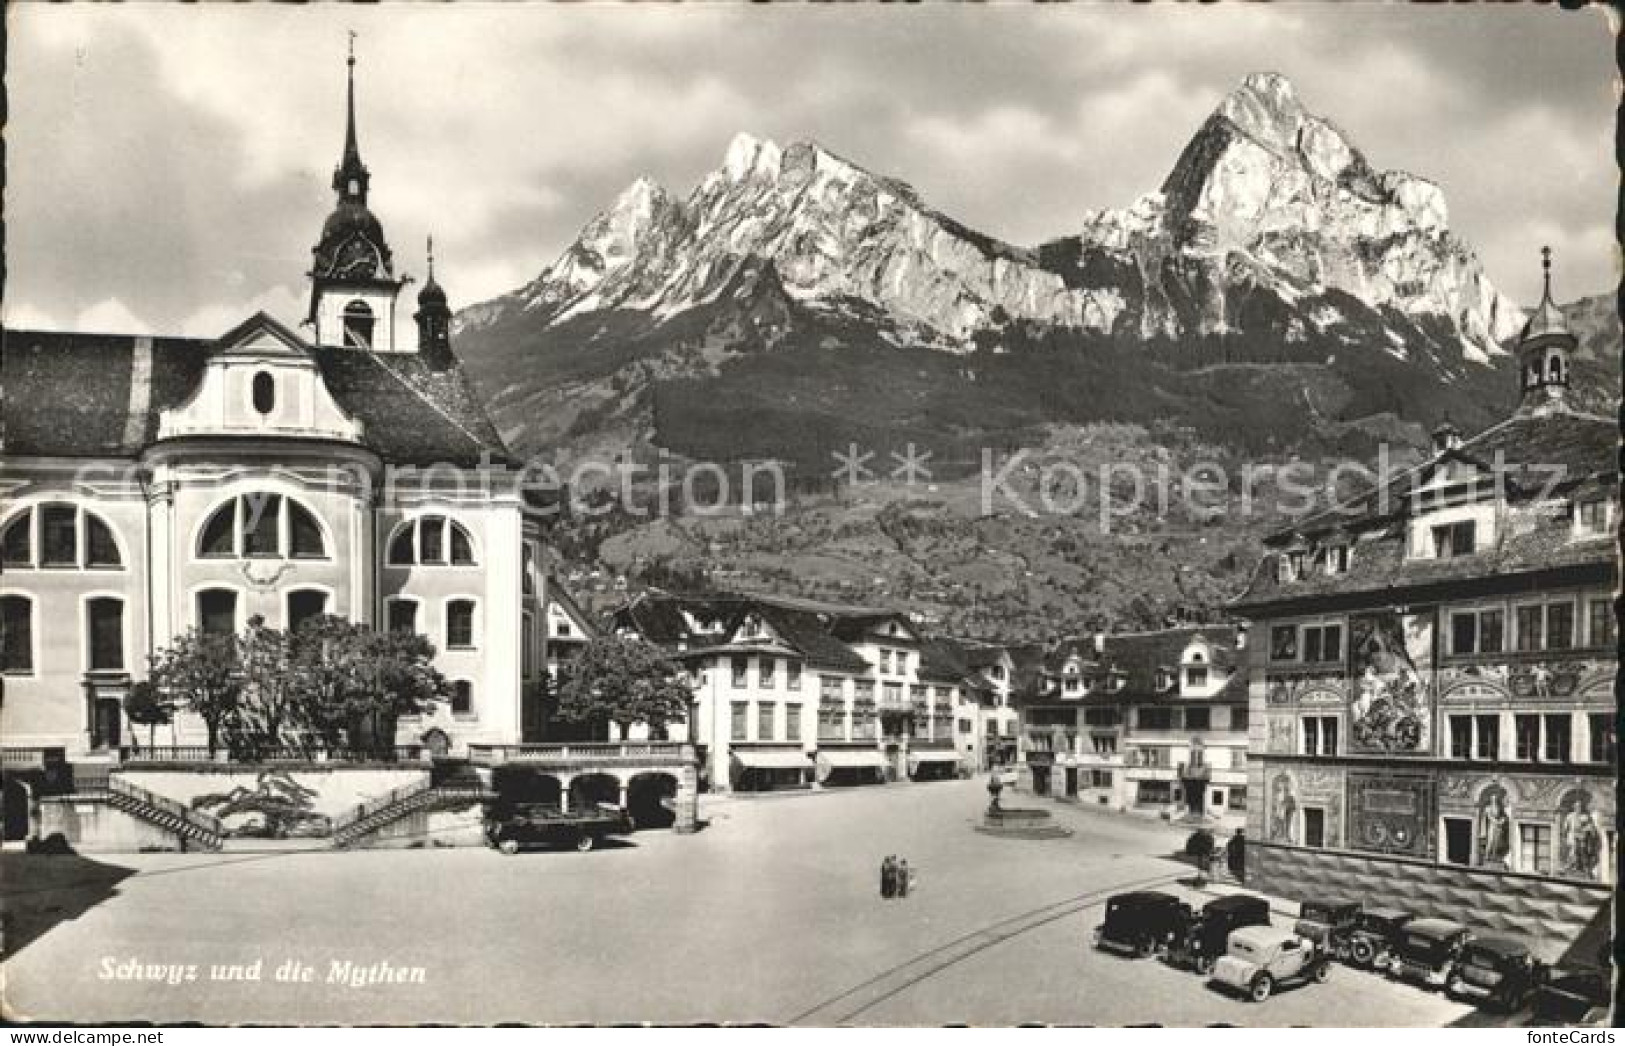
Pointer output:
x,y
772,759
933,755
833,759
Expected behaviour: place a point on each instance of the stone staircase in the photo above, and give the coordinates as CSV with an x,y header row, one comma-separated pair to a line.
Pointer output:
x,y
349,828
196,830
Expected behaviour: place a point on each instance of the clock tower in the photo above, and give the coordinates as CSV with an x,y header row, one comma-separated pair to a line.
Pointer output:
x,y
352,280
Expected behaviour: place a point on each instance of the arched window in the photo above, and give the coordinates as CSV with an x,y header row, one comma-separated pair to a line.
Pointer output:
x,y
264,392
462,697
1554,368
68,536
217,611
358,324
262,526
431,541
460,624
305,605
104,627
16,635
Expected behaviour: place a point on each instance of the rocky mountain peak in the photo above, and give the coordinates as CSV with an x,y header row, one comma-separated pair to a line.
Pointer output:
x,y
1266,108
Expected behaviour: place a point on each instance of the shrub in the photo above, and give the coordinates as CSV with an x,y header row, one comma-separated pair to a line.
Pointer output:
x,y
1200,844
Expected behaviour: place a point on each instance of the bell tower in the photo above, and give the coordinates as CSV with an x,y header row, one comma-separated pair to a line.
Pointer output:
x,y
352,279
434,321
1544,349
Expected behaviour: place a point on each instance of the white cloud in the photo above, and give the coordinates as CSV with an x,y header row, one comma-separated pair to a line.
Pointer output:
x,y
110,316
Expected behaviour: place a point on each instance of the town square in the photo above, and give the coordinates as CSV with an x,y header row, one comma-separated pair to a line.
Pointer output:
x,y
502,522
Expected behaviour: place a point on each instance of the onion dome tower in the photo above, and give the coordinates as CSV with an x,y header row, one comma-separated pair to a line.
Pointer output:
x,y
1543,351
353,286
434,321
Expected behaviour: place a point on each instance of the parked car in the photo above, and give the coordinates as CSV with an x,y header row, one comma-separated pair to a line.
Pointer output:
x,y
1427,951
1340,919
1371,943
511,828
1572,996
1496,973
1262,958
1208,934
1142,922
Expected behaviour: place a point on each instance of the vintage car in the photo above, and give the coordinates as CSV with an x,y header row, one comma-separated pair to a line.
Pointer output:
x,y
1427,950
1371,942
1262,958
1496,973
1339,917
1572,996
513,827
1208,934
1142,922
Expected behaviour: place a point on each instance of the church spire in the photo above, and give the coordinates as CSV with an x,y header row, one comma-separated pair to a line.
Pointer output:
x,y
1543,349
350,177
434,321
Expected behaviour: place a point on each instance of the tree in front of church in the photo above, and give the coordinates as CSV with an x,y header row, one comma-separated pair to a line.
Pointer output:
x,y
272,711
202,673
353,682
146,705
622,681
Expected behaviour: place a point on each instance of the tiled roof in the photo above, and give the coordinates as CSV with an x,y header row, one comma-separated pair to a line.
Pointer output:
x,y
70,395
1136,657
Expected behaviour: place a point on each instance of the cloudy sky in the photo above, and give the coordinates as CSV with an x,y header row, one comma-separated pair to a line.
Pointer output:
x,y
168,167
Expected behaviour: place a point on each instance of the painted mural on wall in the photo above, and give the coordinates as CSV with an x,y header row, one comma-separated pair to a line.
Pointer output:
x,y
1298,689
1391,813
1528,681
277,807
1494,828
1282,735
1580,838
1391,709
1292,793
1282,815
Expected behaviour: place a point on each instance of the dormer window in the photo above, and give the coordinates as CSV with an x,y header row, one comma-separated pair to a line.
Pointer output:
x,y
1196,676
1593,517
1165,679
1337,559
1454,540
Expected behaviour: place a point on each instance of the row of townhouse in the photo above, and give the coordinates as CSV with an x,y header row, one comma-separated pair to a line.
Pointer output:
x,y
1147,722
791,692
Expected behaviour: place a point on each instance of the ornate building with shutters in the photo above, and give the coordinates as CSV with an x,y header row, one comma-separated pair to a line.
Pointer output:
x,y
1432,701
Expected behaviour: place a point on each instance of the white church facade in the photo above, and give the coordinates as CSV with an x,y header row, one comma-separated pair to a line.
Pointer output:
x,y
150,485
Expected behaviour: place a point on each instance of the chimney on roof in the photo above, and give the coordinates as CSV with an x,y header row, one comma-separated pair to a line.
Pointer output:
x,y
1241,637
1100,641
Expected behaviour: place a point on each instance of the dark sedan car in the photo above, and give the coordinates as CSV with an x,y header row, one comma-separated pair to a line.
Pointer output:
x,y
1142,923
1371,942
1339,918
1208,934
1496,973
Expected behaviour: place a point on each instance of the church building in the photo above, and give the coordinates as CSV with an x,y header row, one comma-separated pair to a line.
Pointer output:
x,y
151,485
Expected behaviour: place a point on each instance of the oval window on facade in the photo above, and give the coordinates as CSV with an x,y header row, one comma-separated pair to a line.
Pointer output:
x,y
264,392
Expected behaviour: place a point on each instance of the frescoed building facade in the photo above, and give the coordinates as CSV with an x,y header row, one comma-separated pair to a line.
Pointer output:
x,y
1433,695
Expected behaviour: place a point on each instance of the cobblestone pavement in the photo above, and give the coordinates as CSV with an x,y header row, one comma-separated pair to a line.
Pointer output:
x,y
771,914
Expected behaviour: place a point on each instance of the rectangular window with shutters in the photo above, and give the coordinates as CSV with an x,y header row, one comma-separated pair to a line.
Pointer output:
x,y
1600,623
764,723
217,611
1536,840
1559,736
766,669
831,690
1461,737
792,723
403,615
1487,743
106,628
16,635
59,536
831,722
1603,728
1526,738
740,722
741,671
792,675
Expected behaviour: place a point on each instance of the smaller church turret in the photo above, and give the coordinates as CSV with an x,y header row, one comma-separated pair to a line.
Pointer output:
x,y
434,321
1544,348
352,280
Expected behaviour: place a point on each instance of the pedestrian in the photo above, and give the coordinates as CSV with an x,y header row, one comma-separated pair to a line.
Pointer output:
x,y
888,877
1235,853
902,878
